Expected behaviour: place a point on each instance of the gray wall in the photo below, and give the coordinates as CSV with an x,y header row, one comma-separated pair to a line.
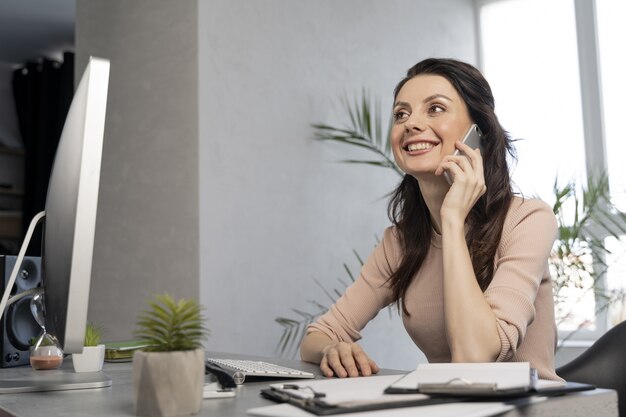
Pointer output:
x,y
276,209
212,183
147,228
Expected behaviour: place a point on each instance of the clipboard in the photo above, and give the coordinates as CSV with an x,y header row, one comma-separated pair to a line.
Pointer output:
x,y
483,381
320,407
333,396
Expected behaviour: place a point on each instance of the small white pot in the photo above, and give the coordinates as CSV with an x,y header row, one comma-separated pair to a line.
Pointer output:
x,y
91,360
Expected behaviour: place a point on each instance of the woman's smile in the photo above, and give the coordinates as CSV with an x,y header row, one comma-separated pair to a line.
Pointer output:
x,y
418,147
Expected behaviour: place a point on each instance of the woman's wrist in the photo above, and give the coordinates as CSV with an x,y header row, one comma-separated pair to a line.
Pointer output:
x,y
452,225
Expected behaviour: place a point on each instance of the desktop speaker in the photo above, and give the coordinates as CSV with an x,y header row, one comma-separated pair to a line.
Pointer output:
x,y
18,325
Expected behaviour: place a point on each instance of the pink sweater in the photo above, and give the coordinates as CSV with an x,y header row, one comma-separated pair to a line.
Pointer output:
x,y
520,293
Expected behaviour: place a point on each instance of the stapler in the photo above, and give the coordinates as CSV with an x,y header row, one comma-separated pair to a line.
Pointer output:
x,y
225,385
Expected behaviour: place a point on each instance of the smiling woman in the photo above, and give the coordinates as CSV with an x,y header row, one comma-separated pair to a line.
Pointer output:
x,y
429,117
466,262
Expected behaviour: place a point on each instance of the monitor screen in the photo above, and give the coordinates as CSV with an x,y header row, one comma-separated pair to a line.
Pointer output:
x,y
71,206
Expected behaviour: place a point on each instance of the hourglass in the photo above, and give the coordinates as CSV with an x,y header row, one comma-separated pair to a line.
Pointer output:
x,y
46,352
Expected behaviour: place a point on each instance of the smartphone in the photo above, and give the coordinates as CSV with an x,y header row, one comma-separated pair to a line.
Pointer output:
x,y
471,139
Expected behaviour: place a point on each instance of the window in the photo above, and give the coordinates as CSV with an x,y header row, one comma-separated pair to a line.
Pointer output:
x,y
534,78
544,65
611,15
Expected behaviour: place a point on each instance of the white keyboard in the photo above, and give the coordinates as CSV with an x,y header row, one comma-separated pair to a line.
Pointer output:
x,y
240,369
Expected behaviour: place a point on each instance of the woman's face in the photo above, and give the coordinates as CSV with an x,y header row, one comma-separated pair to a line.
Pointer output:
x,y
429,116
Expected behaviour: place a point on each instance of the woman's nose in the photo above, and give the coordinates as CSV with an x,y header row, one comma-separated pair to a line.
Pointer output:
x,y
414,123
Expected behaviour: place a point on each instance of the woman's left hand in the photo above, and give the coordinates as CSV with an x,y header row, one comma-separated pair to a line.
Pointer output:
x,y
468,182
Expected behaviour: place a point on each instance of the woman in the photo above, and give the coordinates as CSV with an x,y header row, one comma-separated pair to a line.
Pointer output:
x,y
467,262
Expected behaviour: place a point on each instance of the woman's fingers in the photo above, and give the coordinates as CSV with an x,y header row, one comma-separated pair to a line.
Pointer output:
x,y
362,361
334,362
325,367
347,360
467,169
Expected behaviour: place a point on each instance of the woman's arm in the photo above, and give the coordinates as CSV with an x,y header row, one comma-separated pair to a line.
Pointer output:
x,y
330,341
470,322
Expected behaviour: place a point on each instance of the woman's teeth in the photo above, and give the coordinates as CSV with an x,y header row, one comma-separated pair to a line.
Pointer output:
x,y
420,146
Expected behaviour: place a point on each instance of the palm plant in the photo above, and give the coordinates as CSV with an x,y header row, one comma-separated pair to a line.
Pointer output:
x,y
365,131
578,256
171,325
578,260
294,328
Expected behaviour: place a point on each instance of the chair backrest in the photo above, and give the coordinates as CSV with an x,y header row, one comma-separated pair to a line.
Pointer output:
x,y
603,365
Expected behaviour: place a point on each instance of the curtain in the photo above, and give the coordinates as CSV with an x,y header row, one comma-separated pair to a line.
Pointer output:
x,y
43,92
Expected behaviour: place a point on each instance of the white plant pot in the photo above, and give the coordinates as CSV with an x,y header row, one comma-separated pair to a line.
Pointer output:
x,y
168,384
91,360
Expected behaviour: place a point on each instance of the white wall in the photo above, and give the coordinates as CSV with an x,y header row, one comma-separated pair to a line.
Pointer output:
x,y
275,207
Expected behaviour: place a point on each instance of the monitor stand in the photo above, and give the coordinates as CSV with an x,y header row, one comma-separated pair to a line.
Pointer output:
x,y
26,379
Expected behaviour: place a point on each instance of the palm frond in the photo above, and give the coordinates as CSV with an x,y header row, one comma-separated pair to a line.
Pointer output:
x,y
294,329
586,217
365,130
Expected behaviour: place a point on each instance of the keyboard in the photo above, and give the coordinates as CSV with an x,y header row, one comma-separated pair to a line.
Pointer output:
x,y
240,369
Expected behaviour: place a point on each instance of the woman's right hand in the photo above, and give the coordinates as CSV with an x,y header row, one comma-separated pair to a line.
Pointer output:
x,y
346,360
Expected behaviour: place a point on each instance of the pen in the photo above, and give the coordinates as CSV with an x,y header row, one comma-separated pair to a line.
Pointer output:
x,y
301,388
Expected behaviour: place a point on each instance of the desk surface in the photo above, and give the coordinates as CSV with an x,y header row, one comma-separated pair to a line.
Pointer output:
x,y
117,400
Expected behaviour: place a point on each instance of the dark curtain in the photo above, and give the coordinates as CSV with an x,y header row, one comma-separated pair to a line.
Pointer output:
x,y
43,93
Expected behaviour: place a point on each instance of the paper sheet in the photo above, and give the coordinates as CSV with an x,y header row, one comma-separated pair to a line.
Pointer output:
x,y
507,375
441,410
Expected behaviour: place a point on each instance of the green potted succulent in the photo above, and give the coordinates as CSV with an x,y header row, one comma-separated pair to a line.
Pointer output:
x,y
92,357
169,374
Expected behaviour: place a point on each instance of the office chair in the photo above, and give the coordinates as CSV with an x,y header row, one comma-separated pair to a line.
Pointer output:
x,y
603,365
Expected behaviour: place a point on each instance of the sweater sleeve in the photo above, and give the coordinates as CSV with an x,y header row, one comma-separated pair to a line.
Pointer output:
x,y
362,300
522,261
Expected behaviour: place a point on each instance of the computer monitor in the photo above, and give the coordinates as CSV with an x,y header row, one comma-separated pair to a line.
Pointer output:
x,y
71,206
69,228
70,214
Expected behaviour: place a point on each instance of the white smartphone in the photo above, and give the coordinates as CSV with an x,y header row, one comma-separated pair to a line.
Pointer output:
x,y
471,139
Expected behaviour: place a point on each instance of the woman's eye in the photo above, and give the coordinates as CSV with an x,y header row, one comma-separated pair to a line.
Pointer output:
x,y
399,115
436,108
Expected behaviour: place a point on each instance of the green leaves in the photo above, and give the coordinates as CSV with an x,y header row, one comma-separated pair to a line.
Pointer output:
x,y
586,217
93,334
294,329
171,325
365,131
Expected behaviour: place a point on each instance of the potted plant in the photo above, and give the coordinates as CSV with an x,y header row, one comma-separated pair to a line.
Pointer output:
x,y
92,358
168,375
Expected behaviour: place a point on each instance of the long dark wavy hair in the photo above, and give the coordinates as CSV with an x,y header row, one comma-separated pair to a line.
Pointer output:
x,y
407,209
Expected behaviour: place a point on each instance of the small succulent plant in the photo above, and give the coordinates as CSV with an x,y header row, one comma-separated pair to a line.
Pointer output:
x,y
171,325
93,334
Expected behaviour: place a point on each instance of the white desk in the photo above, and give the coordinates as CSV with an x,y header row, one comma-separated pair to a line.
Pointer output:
x,y
117,400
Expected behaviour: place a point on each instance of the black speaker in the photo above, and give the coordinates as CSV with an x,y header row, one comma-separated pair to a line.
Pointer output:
x,y
18,325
